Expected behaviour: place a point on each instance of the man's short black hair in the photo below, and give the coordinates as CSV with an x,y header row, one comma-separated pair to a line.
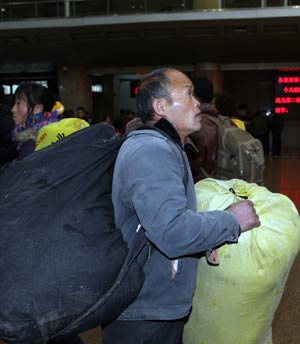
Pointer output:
x,y
154,85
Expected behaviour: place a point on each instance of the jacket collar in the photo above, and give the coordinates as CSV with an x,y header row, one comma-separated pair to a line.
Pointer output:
x,y
164,125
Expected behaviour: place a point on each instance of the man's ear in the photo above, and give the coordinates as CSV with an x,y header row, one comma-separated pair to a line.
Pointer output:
x,y
159,106
38,108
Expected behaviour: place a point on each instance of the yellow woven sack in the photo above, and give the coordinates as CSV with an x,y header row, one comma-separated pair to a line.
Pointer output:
x,y
235,302
58,130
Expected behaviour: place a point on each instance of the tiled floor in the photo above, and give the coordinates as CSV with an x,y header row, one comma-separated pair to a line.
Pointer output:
x,y
281,175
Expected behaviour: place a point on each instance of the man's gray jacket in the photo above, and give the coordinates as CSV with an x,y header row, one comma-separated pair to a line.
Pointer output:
x,y
153,187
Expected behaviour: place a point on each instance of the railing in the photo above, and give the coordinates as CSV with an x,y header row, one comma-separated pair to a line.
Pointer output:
x,y
19,10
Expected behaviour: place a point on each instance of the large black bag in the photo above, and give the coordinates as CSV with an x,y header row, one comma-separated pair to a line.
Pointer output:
x,y
65,268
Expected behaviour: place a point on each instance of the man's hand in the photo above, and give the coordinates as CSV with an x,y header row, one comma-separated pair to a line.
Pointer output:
x,y
245,214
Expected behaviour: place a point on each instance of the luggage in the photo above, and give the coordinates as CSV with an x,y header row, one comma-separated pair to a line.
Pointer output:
x,y
235,302
56,131
65,268
239,155
222,150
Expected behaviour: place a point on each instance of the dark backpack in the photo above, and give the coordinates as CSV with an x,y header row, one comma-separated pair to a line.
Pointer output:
x,y
240,155
237,154
65,268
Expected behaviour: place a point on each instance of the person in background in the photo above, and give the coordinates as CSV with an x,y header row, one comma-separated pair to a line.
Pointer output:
x,y
133,124
268,120
68,113
225,104
153,190
35,107
277,126
202,146
243,114
259,128
121,121
82,113
7,147
107,119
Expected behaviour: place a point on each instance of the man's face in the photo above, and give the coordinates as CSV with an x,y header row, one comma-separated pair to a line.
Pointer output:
x,y
184,109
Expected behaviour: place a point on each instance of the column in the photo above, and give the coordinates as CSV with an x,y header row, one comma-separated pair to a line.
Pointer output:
x,y
212,72
75,88
67,8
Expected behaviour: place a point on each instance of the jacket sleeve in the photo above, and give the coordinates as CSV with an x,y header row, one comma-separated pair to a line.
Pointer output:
x,y
161,201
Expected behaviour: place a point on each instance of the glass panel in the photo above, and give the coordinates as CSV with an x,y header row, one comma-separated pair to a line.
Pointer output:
x,y
89,8
189,4
49,9
16,9
4,12
21,11
165,6
121,6
31,9
241,3
271,3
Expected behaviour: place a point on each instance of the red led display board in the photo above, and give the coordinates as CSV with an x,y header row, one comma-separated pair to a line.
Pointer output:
x,y
287,92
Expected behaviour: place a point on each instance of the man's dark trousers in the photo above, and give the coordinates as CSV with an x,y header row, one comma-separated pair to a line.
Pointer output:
x,y
143,332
